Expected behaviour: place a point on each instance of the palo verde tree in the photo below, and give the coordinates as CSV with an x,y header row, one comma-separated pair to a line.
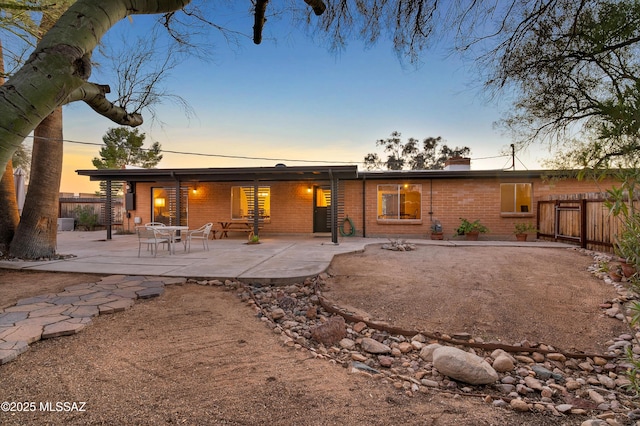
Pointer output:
x,y
410,155
9,216
138,86
36,233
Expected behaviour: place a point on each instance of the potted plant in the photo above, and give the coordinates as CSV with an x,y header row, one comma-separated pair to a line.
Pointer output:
x,y
615,272
522,229
436,231
627,245
471,230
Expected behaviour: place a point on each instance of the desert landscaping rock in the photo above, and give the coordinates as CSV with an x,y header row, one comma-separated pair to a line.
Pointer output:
x,y
463,366
503,363
535,380
331,332
374,347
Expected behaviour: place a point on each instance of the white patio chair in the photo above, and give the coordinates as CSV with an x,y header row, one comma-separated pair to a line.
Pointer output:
x,y
151,237
160,232
201,233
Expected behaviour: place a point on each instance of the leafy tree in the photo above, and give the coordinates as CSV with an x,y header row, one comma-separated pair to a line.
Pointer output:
x,y
400,154
22,158
124,147
575,71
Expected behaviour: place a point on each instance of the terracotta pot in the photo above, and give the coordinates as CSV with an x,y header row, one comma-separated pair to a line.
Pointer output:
x,y
472,236
437,236
615,277
521,237
627,269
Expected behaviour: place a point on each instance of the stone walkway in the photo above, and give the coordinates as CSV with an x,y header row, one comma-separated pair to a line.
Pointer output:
x,y
70,311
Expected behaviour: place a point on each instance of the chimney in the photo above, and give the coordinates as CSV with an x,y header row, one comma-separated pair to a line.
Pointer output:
x,y
458,163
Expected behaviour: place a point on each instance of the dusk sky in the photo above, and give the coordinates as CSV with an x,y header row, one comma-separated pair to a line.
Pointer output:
x,y
291,99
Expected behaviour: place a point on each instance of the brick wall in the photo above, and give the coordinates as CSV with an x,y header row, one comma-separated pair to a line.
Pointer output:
x,y
446,200
291,205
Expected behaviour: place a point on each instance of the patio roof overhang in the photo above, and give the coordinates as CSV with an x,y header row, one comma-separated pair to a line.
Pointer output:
x,y
464,174
238,174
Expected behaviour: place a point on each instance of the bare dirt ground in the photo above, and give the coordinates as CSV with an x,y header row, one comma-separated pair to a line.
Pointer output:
x,y
197,355
497,293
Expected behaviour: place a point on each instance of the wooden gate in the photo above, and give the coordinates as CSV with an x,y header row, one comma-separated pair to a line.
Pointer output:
x,y
582,219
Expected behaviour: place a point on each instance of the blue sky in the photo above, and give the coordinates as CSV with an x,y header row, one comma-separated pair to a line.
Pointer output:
x,y
290,98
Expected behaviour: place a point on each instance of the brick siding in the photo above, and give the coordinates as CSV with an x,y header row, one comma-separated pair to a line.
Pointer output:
x,y
446,200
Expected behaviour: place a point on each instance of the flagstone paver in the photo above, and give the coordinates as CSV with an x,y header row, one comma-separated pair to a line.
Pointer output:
x,y
70,311
10,350
116,306
86,311
65,328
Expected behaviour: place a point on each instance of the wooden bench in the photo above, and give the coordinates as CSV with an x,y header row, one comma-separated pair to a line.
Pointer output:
x,y
236,226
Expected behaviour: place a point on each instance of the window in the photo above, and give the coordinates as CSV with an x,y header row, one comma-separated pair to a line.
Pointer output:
x,y
243,205
400,202
164,205
515,198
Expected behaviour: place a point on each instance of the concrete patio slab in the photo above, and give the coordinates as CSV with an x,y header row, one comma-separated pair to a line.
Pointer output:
x,y
277,258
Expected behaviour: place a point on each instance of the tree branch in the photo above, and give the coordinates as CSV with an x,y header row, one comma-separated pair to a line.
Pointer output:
x,y
94,96
318,6
259,20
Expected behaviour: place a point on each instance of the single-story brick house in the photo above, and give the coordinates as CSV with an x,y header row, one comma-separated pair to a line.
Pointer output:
x,y
341,199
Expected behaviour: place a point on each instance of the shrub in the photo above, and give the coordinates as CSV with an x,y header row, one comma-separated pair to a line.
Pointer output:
x,y
86,218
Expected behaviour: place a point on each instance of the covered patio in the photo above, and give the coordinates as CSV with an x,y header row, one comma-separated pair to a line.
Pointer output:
x,y
252,177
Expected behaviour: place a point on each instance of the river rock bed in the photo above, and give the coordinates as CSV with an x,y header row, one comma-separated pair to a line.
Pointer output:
x,y
541,379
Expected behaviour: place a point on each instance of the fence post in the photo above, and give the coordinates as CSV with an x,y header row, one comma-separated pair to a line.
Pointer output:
x,y
583,223
107,210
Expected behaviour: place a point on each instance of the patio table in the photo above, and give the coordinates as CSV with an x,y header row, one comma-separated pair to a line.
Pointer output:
x,y
173,231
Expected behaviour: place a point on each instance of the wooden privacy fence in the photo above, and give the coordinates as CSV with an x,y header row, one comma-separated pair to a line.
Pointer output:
x,y
581,219
67,208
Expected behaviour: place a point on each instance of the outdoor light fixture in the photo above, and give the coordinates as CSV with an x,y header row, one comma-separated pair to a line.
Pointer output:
x,y
309,189
159,202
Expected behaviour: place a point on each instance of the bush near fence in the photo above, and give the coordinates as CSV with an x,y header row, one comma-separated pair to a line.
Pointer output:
x,y
72,207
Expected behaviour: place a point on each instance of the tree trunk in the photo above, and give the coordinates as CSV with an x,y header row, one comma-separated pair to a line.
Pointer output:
x,y
36,233
9,216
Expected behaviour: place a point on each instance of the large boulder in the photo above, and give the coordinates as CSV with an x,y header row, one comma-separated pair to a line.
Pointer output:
x,y
463,366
